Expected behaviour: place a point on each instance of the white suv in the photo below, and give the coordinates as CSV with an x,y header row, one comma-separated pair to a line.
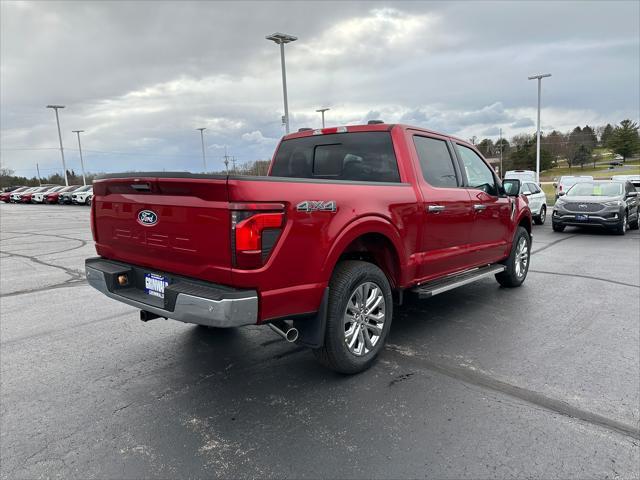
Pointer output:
x,y
82,198
537,201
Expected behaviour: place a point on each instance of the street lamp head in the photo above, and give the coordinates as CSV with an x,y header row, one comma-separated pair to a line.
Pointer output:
x,y
201,128
542,75
320,110
77,131
280,38
55,106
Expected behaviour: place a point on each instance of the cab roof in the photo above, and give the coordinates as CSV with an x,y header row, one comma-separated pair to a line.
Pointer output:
x,y
376,127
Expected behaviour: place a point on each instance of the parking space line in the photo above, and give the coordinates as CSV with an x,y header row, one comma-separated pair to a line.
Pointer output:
x,y
555,242
589,277
483,380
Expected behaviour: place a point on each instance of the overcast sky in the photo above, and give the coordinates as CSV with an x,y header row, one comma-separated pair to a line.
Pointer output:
x,y
140,77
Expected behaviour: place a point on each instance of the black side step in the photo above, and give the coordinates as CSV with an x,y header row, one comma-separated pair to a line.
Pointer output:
x,y
441,285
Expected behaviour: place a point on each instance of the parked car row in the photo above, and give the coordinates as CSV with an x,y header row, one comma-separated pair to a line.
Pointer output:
x,y
72,194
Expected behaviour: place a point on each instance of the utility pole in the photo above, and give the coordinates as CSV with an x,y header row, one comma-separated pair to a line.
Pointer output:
x,y
501,170
226,159
322,110
539,78
204,160
38,170
64,165
84,180
282,39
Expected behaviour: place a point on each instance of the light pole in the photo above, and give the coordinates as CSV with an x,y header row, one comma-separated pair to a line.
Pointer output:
x,y
322,110
78,132
204,160
501,170
64,164
539,78
281,39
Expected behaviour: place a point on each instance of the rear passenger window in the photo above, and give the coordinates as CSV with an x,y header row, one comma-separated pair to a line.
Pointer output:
x,y
436,162
534,188
355,156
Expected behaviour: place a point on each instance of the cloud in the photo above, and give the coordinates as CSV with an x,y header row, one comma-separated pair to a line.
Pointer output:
x,y
140,80
522,122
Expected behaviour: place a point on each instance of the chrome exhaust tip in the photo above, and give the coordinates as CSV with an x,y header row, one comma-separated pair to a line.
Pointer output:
x,y
289,333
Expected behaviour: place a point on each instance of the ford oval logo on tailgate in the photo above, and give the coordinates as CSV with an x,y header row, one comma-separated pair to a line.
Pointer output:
x,y
147,217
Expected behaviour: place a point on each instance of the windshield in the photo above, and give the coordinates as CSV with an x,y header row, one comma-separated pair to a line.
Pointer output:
x,y
82,189
593,189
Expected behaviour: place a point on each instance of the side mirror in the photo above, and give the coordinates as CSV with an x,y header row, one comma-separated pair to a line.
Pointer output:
x,y
632,194
511,187
561,194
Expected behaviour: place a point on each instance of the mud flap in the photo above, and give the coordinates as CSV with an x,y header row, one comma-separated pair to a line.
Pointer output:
x,y
311,330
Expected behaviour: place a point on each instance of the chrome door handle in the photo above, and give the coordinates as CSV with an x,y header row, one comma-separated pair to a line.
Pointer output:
x,y
435,208
479,207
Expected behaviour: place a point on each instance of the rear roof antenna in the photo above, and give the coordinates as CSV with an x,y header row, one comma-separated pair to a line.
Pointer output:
x,y
374,122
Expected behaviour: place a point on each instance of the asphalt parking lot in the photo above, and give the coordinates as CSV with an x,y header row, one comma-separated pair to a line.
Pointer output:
x,y
480,382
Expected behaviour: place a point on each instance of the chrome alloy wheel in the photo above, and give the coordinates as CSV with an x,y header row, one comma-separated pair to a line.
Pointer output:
x,y
364,318
522,257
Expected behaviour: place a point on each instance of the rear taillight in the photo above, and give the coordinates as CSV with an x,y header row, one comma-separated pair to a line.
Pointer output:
x,y
254,233
94,232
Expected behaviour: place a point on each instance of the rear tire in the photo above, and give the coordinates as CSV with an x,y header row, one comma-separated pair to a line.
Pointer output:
x,y
542,216
518,262
88,201
359,314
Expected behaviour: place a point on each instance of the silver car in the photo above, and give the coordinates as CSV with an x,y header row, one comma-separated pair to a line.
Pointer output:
x,y
609,204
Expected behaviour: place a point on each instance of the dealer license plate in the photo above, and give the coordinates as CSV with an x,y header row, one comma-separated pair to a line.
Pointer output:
x,y
582,218
154,284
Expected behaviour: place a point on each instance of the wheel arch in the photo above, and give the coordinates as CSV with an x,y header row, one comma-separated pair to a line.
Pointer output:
x,y
372,239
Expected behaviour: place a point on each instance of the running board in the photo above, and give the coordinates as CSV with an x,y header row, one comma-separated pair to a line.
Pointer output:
x,y
441,285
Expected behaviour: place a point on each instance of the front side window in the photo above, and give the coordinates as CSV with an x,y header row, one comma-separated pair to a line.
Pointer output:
x,y
479,175
436,162
355,156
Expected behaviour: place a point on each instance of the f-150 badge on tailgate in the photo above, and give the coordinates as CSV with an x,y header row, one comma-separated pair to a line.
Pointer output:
x,y
316,206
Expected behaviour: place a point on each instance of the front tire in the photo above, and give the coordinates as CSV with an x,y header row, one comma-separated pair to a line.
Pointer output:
x,y
517,265
622,228
557,228
88,201
360,310
542,216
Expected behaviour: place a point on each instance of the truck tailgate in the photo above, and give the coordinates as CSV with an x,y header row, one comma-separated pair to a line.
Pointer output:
x,y
176,225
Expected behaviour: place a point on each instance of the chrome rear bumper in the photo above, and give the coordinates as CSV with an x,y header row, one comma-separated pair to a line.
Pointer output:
x,y
187,301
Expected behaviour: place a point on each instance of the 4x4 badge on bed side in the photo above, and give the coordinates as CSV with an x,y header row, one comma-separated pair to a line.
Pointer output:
x,y
316,206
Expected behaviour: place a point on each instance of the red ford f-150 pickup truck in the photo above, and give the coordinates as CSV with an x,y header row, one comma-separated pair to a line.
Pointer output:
x,y
346,222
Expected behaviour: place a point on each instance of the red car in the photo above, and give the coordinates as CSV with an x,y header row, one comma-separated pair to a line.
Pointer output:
x,y
349,220
6,196
53,197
